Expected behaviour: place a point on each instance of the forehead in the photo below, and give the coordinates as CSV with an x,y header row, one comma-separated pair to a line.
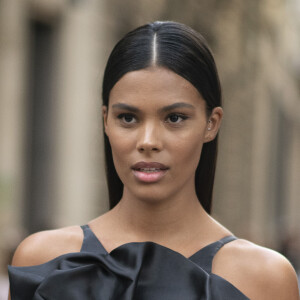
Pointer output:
x,y
155,84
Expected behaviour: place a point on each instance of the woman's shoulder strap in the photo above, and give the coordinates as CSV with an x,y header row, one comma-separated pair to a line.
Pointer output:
x,y
90,242
205,256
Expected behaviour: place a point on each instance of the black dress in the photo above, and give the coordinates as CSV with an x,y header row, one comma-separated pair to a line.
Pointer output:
x,y
133,271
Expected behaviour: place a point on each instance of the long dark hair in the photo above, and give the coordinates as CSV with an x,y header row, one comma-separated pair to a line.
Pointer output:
x,y
184,51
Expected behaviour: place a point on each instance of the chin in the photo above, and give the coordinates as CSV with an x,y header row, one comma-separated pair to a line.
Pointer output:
x,y
151,194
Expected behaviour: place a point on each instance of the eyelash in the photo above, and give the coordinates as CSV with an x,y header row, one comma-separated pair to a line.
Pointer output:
x,y
121,116
182,116
179,115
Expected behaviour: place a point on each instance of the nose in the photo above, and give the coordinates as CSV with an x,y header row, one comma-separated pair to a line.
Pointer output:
x,y
149,139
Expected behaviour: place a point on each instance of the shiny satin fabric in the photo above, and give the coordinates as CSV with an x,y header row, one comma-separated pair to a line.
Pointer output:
x,y
139,271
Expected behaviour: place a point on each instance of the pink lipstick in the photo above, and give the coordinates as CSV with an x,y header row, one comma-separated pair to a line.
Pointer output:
x,y
149,171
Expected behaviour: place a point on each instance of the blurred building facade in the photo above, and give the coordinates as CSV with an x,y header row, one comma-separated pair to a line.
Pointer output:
x,y
52,55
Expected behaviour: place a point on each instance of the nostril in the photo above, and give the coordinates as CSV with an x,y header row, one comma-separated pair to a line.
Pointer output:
x,y
142,149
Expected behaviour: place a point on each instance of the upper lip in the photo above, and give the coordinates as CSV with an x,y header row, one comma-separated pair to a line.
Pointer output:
x,y
143,165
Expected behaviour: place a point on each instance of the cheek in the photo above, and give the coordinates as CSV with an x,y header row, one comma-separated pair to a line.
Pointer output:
x,y
188,149
121,145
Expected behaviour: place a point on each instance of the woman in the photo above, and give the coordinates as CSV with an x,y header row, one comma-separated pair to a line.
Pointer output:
x,y
162,112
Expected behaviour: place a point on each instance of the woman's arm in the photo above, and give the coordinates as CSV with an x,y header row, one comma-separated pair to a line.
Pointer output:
x,y
43,246
258,272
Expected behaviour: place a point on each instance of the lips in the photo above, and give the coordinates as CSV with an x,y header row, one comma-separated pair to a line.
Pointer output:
x,y
149,171
149,166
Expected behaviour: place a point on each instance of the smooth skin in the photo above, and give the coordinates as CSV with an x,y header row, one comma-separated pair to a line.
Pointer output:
x,y
154,115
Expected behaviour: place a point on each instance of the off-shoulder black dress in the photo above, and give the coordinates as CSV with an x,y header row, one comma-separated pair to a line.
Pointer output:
x,y
133,271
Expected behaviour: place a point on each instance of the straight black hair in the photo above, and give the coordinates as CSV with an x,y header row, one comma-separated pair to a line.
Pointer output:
x,y
184,51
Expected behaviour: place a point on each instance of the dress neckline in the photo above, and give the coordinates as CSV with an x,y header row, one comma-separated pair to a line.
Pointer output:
x,y
212,247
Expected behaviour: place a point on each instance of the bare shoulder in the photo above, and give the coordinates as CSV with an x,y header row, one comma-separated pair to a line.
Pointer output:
x,y
43,246
260,273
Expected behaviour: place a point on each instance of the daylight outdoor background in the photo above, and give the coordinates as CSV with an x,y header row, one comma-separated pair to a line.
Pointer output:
x,y
52,56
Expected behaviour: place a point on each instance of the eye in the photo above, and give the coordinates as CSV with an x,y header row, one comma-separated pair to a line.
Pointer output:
x,y
127,118
176,118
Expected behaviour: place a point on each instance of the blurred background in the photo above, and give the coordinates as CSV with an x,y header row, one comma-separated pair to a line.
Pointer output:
x,y
52,57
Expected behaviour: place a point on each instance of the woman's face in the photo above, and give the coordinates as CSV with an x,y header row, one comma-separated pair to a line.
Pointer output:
x,y
156,123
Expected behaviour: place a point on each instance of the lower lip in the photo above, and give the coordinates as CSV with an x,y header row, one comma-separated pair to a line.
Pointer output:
x,y
149,176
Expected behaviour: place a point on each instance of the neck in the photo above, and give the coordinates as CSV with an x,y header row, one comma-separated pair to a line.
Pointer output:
x,y
156,220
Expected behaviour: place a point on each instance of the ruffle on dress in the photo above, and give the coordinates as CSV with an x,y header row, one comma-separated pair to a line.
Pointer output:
x,y
139,271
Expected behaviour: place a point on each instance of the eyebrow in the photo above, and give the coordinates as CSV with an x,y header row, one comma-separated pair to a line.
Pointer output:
x,y
163,109
125,107
177,105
